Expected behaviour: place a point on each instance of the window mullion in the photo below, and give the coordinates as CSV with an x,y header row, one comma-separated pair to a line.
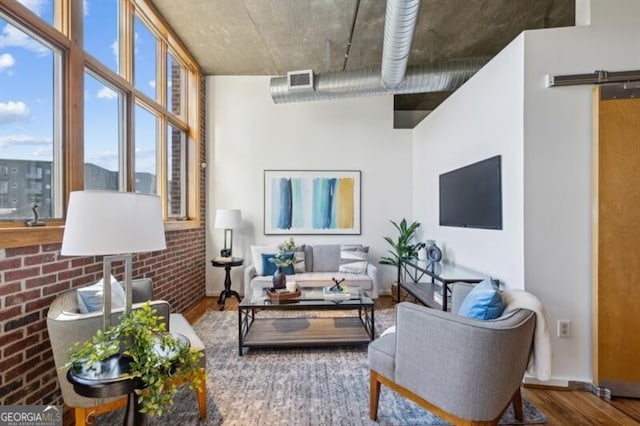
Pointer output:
x,y
74,100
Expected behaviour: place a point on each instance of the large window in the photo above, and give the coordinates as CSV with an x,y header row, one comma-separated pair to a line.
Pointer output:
x,y
29,82
117,108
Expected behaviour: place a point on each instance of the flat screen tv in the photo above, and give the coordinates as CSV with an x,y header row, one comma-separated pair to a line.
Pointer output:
x,y
471,196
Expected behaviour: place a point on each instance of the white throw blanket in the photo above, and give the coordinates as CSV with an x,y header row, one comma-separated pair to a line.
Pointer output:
x,y
540,356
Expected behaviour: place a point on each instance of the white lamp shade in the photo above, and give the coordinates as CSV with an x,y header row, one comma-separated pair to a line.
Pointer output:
x,y
228,218
109,222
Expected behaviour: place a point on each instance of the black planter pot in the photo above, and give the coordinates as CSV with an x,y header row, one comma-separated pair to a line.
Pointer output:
x,y
279,279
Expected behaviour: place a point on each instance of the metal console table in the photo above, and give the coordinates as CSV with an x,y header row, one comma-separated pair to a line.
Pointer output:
x,y
440,275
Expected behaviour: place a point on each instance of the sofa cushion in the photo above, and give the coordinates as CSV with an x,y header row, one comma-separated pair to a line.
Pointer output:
x,y
483,302
300,265
353,258
256,256
90,298
269,268
326,258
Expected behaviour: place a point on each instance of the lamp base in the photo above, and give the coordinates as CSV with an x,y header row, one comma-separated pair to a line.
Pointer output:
x,y
225,253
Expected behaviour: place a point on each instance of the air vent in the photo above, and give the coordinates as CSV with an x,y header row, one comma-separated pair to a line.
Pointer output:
x,y
300,80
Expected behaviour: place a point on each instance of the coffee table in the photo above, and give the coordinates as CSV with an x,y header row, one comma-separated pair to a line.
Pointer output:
x,y
257,330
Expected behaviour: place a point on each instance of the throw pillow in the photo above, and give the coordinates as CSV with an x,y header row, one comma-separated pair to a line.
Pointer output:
x,y
299,267
90,299
256,256
269,268
483,302
353,259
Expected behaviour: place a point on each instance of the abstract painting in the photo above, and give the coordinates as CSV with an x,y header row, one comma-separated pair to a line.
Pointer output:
x,y
311,202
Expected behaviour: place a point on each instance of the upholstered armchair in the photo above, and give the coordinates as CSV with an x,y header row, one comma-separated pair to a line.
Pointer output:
x,y
67,325
464,370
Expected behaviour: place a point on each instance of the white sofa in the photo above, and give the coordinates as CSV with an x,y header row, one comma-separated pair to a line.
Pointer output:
x,y
321,264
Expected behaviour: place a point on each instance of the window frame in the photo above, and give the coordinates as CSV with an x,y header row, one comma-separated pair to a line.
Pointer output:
x,y
67,36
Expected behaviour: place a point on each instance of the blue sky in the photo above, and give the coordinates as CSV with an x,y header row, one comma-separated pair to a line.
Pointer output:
x,y
26,90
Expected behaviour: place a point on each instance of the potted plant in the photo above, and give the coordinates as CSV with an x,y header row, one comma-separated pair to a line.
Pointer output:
x,y
283,258
156,357
404,247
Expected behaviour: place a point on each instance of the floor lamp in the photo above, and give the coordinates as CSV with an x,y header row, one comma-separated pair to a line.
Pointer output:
x,y
114,225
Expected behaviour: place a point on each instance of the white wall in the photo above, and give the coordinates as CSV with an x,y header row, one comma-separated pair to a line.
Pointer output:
x,y
480,120
558,169
506,109
247,133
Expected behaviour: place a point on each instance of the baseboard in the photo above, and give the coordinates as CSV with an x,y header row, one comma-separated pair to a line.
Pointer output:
x,y
530,381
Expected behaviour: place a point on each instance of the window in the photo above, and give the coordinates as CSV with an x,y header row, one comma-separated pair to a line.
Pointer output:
x,y
29,78
144,59
141,127
176,172
101,31
145,158
103,156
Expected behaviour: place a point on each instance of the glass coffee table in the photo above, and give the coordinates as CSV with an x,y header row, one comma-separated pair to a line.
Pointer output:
x,y
257,328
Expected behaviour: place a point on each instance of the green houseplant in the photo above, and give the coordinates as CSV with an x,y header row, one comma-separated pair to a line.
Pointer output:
x,y
283,258
157,358
404,247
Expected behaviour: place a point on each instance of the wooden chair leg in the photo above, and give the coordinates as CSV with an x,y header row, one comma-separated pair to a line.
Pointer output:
x,y
517,404
80,414
374,394
202,397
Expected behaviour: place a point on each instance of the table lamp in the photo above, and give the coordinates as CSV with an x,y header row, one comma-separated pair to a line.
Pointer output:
x,y
227,219
114,225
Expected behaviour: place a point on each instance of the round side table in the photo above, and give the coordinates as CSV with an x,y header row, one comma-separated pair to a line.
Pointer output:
x,y
227,265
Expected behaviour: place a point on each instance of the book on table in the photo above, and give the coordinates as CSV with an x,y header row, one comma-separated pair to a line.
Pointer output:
x,y
339,293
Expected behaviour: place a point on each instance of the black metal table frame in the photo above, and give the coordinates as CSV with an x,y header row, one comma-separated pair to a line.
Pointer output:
x,y
247,315
408,268
227,292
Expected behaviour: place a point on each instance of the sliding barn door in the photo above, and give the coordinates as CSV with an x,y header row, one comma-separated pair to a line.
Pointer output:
x,y
616,241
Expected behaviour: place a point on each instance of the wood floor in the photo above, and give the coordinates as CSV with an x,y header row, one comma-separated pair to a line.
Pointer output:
x,y
562,407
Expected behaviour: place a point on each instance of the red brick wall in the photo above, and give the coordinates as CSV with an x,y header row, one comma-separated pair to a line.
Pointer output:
x,y
30,278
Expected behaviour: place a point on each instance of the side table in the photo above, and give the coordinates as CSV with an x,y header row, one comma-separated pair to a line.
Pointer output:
x,y
227,265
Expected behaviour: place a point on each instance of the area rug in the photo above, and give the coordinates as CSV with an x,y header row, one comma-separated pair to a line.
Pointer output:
x,y
298,386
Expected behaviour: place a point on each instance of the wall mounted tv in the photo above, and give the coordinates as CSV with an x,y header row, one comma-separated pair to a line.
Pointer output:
x,y
471,196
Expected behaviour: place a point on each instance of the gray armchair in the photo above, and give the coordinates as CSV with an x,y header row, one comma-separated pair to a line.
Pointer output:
x,y
464,370
67,325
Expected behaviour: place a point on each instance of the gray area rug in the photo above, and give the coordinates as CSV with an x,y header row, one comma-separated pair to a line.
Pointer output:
x,y
298,386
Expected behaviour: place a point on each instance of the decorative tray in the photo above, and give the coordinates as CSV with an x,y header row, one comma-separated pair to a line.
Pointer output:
x,y
273,294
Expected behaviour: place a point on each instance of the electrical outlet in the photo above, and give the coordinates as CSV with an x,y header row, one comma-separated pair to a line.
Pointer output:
x,y
564,328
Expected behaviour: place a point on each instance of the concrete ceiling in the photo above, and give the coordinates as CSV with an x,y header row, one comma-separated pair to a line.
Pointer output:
x,y
271,37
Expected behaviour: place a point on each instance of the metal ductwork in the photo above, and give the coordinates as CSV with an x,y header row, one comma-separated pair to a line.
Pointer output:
x,y
399,26
442,77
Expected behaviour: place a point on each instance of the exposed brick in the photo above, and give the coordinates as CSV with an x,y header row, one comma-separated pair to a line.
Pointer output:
x,y
9,288
44,390
39,259
36,327
12,263
81,261
10,313
56,288
20,274
40,281
40,370
8,361
51,247
40,348
22,297
22,321
7,338
55,267
65,275
21,394
10,387
20,345
21,251
40,303
92,269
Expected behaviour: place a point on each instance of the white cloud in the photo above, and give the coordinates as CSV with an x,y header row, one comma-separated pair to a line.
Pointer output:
x,y
36,6
145,152
85,7
6,61
12,112
152,83
107,93
22,140
43,152
13,37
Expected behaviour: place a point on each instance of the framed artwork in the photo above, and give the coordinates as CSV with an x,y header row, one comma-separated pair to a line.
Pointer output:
x,y
312,202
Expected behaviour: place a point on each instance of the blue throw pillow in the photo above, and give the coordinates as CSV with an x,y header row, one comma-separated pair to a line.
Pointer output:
x,y
483,302
269,268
